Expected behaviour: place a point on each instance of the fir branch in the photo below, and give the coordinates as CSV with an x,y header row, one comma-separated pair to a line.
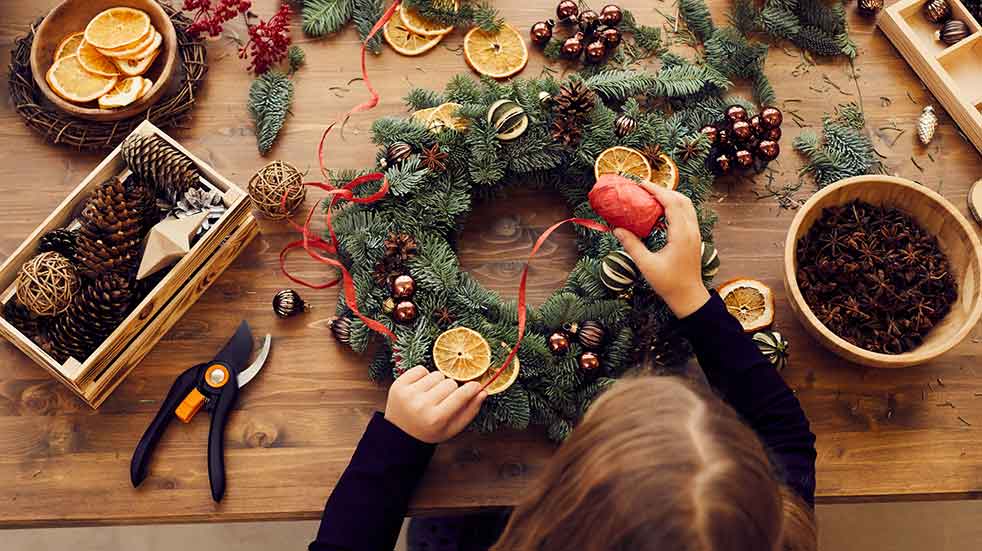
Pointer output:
x,y
697,18
321,17
365,13
270,98
844,151
421,98
618,85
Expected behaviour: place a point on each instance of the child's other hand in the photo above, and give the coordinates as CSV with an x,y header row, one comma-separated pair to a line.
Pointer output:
x,y
430,407
674,272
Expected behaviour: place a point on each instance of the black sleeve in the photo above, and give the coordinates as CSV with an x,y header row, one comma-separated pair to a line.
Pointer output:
x,y
739,372
366,508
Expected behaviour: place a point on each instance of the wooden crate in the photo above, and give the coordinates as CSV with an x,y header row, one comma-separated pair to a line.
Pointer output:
x,y
953,73
95,377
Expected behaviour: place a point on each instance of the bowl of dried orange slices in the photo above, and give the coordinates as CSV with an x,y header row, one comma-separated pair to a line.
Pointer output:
x,y
104,60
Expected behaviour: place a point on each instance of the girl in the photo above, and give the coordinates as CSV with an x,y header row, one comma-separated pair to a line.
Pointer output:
x,y
656,463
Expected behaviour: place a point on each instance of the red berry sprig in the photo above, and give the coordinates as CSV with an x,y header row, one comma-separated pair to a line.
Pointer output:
x,y
210,18
268,42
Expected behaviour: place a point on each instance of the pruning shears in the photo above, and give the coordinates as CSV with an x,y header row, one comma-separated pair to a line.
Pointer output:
x,y
212,386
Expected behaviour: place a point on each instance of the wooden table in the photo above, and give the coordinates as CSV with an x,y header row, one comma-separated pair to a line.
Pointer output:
x,y
905,434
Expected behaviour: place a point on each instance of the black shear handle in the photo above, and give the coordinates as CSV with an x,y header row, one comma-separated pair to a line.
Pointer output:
x,y
216,438
140,464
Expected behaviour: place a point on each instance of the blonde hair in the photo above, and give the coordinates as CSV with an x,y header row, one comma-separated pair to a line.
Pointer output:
x,y
659,464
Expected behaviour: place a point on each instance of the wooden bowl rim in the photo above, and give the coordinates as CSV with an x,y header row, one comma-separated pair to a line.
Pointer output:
x,y
877,359
169,35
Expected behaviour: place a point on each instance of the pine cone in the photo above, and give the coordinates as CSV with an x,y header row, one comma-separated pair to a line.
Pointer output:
x,y
566,132
574,101
150,210
20,317
95,313
113,226
401,246
158,163
62,241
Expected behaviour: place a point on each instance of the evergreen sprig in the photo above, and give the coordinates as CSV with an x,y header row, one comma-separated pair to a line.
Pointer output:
x,y
817,26
844,150
322,17
270,98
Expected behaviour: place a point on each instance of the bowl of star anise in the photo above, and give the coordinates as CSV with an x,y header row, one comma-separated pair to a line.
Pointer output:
x,y
883,272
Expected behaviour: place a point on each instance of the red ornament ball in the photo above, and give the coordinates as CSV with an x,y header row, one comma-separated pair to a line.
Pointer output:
x,y
711,133
404,312
742,131
567,10
541,33
768,150
773,134
572,48
624,204
736,113
596,51
403,286
611,15
611,37
744,158
771,117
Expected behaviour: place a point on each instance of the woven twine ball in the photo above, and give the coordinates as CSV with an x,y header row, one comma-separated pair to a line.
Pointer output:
x,y
46,284
267,187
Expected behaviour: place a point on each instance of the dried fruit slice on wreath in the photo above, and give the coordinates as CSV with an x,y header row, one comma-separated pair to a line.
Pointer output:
x,y
498,54
750,301
622,161
461,354
445,116
405,41
505,380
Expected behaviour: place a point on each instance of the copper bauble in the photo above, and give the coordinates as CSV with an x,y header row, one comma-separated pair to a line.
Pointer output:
x,y
736,113
567,10
722,164
404,312
596,51
591,334
768,150
772,134
756,125
558,343
588,21
589,361
287,303
742,131
711,133
771,117
403,286
572,48
611,37
611,15
744,158
541,33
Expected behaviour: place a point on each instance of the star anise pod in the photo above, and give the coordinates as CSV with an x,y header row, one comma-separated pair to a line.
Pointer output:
x,y
443,317
434,159
654,155
689,149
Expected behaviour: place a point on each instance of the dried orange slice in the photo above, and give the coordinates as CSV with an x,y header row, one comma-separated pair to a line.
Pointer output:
x,y
148,48
461,353
71,81
117,27
503,381
405,41
136,67
420,25
664,171
423,115
750,301
94,62
145,87
445,116
69,45
499,54
623,161
124,93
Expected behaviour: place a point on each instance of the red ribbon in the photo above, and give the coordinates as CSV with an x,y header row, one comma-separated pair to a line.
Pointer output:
x,y
584,222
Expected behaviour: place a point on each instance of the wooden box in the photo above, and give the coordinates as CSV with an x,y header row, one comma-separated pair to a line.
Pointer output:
x,y
95,377
952,73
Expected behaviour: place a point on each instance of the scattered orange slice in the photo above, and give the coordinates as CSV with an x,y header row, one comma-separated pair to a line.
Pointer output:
x,y
461,353
94,62
71,81
504,380
498,55
445,116
664,171
623,161
69,45
149,47
750,301
136,67
420,25
405,41
145,87
124,93
117,27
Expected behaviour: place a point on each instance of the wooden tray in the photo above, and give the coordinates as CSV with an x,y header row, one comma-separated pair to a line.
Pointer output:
x,y
95,377
953,73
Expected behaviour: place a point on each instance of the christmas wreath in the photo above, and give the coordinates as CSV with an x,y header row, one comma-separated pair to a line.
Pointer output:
x,y
471,142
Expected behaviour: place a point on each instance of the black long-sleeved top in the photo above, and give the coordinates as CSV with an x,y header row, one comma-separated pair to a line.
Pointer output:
x,y
366,508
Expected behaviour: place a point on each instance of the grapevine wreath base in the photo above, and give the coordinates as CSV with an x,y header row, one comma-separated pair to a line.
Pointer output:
x,y
396,238
59,127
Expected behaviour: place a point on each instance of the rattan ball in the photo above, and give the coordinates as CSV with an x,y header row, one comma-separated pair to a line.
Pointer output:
x,y
46,284
268,186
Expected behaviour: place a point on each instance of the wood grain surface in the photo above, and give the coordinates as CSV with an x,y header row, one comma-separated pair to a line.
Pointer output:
x,y
882,434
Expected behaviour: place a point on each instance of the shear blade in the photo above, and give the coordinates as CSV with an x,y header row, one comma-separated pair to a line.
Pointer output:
x,y
247,374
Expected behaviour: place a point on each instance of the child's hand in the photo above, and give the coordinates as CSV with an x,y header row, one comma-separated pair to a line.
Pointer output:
x,y
674,272
430,407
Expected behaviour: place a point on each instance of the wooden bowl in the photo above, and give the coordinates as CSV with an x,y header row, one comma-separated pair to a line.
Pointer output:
x,y
72,16
938,217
